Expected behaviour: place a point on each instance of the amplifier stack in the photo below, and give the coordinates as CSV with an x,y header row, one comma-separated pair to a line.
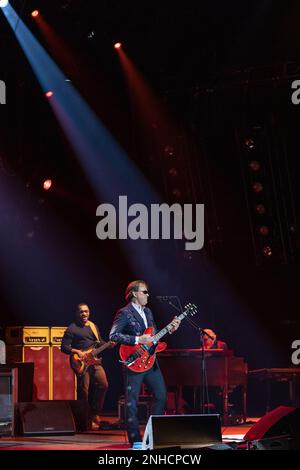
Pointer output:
x,y
53,378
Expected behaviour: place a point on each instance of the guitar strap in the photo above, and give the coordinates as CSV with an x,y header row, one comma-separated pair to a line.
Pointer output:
x,y
94,329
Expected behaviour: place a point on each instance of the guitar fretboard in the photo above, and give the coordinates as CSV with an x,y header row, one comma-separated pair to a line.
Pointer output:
x,y
101,348
168,328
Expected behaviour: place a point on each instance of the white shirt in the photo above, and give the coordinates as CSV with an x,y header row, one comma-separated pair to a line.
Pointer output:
x,y
140,310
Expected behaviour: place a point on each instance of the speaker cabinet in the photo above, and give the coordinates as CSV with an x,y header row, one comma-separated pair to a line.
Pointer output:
x,y
45,418
40,356
282,421
183,431
30,335
63,378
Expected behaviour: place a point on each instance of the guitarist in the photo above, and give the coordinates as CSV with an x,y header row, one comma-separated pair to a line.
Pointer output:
x,y
92,385
128,327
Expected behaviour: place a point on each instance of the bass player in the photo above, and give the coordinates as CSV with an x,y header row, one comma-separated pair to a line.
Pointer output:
x,y
128,329
92,385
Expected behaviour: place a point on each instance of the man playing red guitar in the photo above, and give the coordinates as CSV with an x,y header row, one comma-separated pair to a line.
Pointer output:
x,y
128,329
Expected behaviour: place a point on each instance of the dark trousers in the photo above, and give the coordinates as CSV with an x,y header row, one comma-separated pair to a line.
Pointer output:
x,y
155,383
92,387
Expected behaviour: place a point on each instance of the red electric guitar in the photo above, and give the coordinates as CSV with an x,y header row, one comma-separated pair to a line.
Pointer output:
x,y
141,357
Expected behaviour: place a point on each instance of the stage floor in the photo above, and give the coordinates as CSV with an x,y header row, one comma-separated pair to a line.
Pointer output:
x,y
102,439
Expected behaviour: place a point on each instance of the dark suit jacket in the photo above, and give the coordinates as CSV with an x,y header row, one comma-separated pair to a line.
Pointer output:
x,y
128,324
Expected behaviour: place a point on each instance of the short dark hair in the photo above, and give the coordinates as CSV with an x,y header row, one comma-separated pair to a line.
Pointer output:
x,y
79,305
133,287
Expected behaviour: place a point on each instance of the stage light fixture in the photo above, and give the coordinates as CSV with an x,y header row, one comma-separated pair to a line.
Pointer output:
x,y
264,230
176,193
254,166
35,13
49,94
117,45
260,209
91,34
267,251
3,3
249,143
173,172
169,150
257,187
47,184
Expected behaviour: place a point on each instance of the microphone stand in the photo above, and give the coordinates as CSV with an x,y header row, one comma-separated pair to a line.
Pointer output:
x,y
204,384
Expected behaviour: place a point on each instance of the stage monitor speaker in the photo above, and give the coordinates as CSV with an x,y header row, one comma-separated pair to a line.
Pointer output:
x,y
282,421
276,443
46,418
183,431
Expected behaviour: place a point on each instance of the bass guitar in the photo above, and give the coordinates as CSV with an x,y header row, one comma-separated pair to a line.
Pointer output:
x,y
141,357
80,365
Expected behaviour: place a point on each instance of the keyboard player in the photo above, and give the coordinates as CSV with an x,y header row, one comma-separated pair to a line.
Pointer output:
x,y
211,341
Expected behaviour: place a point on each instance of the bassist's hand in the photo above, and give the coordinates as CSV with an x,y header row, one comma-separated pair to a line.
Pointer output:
x,y
80,354
145,339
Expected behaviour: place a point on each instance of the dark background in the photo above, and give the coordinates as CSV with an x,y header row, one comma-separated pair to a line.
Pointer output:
x,y
224,71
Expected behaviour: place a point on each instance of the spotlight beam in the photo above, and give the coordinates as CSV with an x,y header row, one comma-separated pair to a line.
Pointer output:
x,y
102,158
107,166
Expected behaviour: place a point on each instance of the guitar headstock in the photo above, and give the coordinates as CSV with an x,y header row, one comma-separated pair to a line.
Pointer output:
x,y
190,309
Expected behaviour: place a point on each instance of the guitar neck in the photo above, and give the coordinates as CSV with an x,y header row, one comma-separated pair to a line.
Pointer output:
x,y
101,348
167,328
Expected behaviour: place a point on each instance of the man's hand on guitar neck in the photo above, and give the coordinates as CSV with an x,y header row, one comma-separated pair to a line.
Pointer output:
x,y
146,339
175,324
